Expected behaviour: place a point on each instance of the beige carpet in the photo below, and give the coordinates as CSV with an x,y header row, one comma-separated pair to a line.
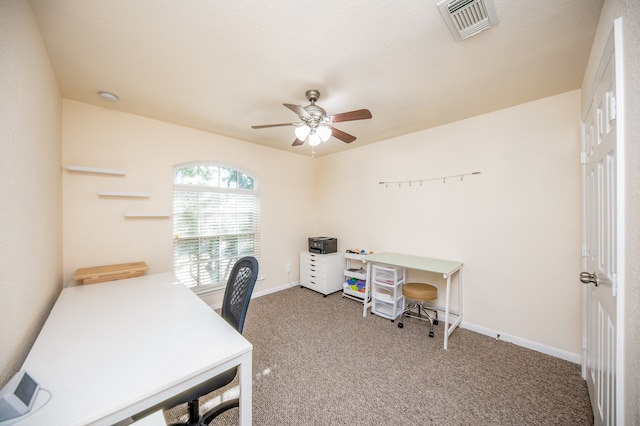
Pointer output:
x,y
317,361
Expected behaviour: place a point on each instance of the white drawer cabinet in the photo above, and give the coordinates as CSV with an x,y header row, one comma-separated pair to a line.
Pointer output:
x,y
387,282
323,273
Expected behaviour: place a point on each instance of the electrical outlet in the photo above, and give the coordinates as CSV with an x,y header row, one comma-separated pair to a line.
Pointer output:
x,y
288,267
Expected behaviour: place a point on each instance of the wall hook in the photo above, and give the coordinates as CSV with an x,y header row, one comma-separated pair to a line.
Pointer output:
x,y
444,179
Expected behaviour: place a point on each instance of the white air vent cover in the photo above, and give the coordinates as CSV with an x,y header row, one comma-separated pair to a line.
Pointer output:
x,y
468,17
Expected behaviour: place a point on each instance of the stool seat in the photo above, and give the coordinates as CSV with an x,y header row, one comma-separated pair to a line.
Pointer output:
x,y
419,291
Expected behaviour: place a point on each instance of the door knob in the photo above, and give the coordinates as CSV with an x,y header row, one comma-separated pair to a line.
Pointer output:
x,y
587,278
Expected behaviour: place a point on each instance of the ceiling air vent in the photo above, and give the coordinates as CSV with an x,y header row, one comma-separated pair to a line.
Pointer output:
x,y
468,17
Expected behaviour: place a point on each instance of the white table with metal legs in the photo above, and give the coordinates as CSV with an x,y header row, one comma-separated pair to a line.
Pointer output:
x,y
448,268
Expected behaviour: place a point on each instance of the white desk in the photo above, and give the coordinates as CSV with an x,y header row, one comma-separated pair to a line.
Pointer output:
x,y
439,266
110,350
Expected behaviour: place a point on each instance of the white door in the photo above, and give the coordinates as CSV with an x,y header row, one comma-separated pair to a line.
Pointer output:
x,y
602,182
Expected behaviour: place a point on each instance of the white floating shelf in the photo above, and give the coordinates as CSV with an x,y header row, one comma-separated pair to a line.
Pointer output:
x,y
123,194
95,170
147,215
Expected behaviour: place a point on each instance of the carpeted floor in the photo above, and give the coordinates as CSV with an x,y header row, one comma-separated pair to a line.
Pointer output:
x,y
317,361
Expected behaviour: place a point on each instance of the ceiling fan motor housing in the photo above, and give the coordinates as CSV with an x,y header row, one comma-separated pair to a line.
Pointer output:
x,y
312,95
317,114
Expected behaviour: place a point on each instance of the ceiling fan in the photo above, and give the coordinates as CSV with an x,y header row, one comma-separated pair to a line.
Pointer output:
x,y
315,125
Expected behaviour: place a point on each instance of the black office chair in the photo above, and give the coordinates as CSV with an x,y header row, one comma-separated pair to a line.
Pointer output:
x,y
234,309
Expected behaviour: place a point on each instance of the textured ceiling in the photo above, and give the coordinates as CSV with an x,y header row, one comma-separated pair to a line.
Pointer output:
x,y
223,66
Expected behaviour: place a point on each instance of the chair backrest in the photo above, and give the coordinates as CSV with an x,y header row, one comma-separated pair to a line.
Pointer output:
x,y
238,292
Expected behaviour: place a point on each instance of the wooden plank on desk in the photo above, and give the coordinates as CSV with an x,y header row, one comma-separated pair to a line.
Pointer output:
x,y
114,272
113,277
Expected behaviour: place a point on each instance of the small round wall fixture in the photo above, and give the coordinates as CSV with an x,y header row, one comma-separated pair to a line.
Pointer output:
x,y
108,96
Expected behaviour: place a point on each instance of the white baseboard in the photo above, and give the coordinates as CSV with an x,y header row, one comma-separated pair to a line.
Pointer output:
x,y
548,350
538,347
274,289
255,294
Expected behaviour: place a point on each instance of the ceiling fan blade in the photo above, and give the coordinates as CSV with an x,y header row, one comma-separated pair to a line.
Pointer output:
x,y
360,114
264,126
297,142
343,136
298,110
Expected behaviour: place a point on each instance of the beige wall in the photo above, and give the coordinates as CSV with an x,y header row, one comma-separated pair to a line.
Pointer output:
x,y
95,229
516,226
30,185
528,192
629,10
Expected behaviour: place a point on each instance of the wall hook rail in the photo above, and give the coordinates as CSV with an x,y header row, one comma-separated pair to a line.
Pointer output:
x,y
420,181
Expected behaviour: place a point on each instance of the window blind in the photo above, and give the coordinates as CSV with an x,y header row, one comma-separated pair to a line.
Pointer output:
x,y
213,228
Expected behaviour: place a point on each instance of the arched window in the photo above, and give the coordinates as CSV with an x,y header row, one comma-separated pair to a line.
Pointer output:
x,y
215,222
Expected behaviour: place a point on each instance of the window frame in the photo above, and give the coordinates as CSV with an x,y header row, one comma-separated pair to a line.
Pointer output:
x,y
214,239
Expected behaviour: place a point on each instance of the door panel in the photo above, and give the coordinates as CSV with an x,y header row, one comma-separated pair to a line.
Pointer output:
x,y
600,153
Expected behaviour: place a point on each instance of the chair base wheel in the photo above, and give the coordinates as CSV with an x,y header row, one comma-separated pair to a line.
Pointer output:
x,y
400,325
431,334
435,322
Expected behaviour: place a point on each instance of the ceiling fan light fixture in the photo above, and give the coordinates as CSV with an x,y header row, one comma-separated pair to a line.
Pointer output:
x,y
302,132
314,138
324,132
